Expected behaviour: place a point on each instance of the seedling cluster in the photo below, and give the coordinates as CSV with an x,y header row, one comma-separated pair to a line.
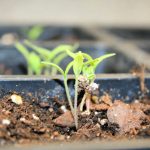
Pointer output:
x,y
38,54
84,67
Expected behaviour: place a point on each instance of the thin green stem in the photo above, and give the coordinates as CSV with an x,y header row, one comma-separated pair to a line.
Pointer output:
x,y
82,102
68,96
75,103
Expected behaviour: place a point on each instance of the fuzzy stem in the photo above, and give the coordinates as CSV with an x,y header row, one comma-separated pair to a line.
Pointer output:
x,y
82,102
75,103
88,99
68,96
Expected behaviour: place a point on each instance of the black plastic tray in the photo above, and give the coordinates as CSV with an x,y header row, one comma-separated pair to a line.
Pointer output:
x,y
120,86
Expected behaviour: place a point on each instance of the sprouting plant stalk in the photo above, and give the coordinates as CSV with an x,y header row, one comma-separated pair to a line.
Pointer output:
x,y
25,53
57,61
88,71
87,67
77,68
65,81
75,103
78,61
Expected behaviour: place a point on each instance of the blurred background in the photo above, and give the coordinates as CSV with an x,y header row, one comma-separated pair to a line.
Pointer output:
x,y
98,26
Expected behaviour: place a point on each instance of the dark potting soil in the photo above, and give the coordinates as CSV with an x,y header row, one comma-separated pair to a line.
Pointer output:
x,y
30,121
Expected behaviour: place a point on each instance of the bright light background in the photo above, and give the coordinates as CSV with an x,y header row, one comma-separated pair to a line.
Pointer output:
x,y
76,12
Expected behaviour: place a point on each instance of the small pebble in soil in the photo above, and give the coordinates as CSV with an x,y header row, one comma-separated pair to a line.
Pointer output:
x,y
5,122
17,99
126,116
28,122
63,108
44,104
103,121
65,120
35,117
51,110
96,113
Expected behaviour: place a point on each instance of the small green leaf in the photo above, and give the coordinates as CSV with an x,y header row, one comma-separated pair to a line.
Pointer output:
x,y
44,53
78,63
89,67
68,68
54,65
99,60
59,49
35,63
23,50
35,32
88,71
71,54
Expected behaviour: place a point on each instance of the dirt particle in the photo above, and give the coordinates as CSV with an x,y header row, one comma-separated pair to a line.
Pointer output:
x,y
65,119
35,117
5,122
101,106
28,122
95,99
127,117
17,99
103,121
63,109
44,104
106,99
51,110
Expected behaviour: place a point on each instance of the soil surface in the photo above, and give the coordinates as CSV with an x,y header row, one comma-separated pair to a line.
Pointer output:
x,y
25,120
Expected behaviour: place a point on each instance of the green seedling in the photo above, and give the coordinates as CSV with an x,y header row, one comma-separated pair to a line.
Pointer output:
x,y
77,65
55,56
33,60
88,72
34,32
78,62
87,68
64,73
